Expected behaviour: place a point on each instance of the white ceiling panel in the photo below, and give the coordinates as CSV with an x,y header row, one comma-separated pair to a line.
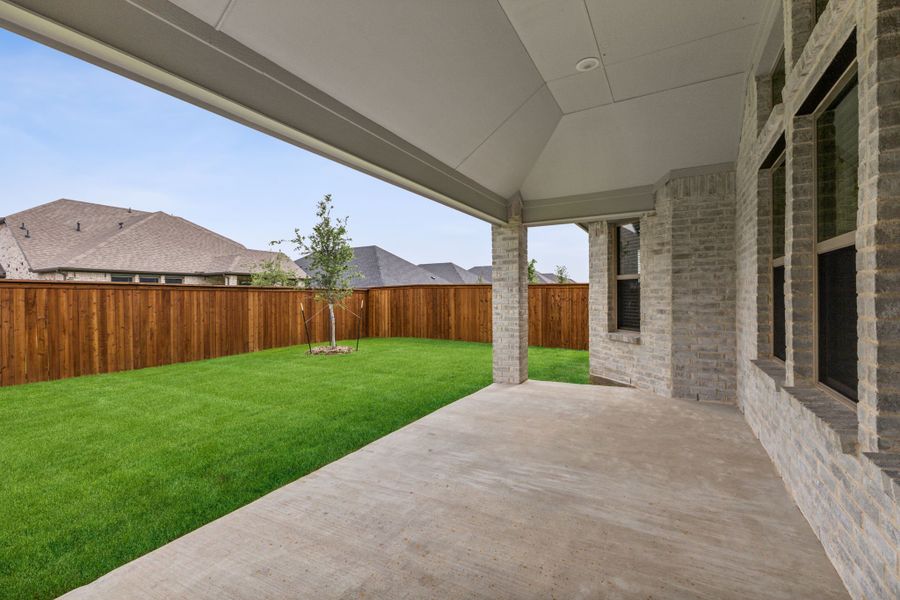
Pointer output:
x,y
634,143
581,91
442,75
557,33
207,10
629,28
700,60
502,162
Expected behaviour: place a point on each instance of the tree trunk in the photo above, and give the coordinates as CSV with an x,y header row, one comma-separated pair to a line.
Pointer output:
x,y
331,320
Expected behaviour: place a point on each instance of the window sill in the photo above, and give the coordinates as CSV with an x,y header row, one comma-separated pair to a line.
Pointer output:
x,y
627,337
833,418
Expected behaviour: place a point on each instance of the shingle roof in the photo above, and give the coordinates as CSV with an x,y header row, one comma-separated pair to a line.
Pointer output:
x,y
381,268
111,238
450,272
484,272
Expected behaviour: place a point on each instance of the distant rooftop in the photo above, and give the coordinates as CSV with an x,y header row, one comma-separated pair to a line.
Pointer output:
x,y
381,268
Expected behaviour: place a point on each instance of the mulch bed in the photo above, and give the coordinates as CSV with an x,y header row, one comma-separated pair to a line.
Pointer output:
x,y
330,350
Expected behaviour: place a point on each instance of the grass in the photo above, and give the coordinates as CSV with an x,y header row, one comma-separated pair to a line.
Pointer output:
x,y
99,470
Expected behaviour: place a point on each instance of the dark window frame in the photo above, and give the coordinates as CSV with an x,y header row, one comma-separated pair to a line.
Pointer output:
x,y
169,279
617,277
777,91
114,276
142,278
832,244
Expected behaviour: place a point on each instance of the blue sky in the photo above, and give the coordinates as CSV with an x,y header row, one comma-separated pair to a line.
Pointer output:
x,y
69,129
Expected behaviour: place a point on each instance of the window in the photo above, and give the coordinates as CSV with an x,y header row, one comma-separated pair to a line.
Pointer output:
x,y
245,281
174,280
778,79
779,344
118,278
837,164
149,279
628,282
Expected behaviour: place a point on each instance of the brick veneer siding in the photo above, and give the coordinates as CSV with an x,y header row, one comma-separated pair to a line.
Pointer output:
x,y
11,257
823,448
703,287
641,360
510,301
686,346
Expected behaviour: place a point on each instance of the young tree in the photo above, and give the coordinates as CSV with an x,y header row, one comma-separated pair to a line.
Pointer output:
x,y
562,274
330,255
273,272
532,271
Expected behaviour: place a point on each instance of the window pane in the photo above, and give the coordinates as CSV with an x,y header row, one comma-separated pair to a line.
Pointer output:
x,y
121,278
779,344
837,321
628,305
837,163
174,280
778,207
629,251
778,77
148,279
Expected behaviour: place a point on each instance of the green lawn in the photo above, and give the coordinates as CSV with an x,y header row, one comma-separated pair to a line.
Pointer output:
x,y
99,470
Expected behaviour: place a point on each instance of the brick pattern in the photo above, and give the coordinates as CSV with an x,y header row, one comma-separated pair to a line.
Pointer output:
x,y
641,360
850,497
800,252
703,287
878,225
686,347
11,257
799,20
510,301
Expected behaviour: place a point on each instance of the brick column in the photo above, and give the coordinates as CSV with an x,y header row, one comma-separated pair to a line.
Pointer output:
x,y
763,101
599,287
510,299
764,294
800,253
878,225
799,20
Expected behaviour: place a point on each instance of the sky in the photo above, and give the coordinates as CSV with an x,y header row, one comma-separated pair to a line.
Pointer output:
x,y
69,129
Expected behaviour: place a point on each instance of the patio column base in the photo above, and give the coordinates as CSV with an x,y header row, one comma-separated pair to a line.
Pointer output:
x,y
510,300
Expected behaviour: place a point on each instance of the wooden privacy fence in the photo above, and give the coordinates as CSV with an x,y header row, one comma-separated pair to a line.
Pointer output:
x,y
53,330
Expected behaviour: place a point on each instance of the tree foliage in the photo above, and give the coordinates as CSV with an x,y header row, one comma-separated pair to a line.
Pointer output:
x,y
562,274
532,271
274,272
331,268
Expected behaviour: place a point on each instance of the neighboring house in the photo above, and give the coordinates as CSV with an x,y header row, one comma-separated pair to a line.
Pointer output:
x,y
451,272
380,268
82,241
482,273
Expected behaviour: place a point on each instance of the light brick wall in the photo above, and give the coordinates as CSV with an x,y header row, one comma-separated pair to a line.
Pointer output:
x,y
11,257
510,301
686,347
878,225
643,360
817,443
703,287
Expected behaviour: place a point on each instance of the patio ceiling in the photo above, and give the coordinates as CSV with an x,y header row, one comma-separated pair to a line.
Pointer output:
x,y
468,102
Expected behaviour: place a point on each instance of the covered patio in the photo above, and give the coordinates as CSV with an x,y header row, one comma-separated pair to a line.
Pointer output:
x,y
542,490
736,169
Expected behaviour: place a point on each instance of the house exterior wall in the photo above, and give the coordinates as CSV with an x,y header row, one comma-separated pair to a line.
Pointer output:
x,y
11,256
840,464
686,346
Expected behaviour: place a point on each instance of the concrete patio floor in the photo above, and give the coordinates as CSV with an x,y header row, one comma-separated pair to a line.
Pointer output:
x,y
543,490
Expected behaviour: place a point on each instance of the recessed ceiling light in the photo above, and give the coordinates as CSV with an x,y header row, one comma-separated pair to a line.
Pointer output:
x,y
587,64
